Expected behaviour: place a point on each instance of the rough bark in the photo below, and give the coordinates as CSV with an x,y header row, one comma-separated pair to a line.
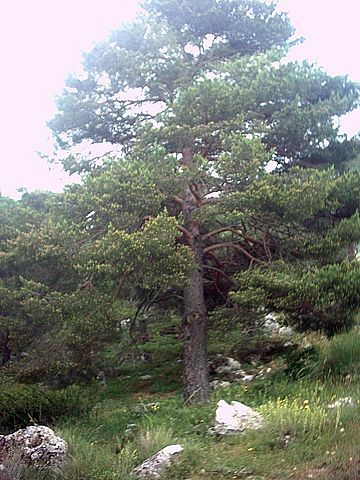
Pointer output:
x,y
6,350
196,378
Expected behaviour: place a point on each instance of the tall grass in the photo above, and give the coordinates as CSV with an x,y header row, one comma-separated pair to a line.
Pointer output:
x,y
91,459
152,438
341,356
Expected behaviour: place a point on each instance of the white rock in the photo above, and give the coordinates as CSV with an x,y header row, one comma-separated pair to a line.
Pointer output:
x,y
125,322
274,328
286,331
230,365
37,446
342,402
241,376
153,467
263,372
235,418
248,378
219,384
145,377
233,364
223,369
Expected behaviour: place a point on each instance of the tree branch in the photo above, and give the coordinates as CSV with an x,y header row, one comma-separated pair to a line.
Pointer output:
x,y
120,286
233,230
216,246
185,232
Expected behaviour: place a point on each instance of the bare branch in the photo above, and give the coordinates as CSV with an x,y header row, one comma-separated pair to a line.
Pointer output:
x,y
120,285
217,246
179,200
185,232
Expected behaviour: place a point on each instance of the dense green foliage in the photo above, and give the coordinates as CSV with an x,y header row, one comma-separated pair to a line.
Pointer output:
x,y
229,163
21,405
229,191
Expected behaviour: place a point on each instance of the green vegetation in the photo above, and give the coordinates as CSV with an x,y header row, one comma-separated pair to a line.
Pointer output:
x,y
22,405
232,187
134,418
230,195
341,356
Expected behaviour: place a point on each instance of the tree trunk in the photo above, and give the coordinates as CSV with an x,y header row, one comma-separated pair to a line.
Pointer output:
x,y
6,350
196,377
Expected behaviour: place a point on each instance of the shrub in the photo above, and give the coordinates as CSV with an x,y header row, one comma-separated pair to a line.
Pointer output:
x,y
22,405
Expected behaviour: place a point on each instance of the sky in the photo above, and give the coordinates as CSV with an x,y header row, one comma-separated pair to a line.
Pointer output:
x,y
42,41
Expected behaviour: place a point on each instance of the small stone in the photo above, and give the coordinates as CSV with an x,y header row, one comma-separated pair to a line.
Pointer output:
x,y
101,378
219,384
248,378
233,364
272,326
145,377
223,369
342,402
224,365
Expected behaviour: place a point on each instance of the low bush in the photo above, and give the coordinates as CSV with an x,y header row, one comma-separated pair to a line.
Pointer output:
x,y
294,418
23,405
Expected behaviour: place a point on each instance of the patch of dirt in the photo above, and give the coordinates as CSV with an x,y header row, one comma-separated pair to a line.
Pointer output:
x,y
144,394
315,473
347,469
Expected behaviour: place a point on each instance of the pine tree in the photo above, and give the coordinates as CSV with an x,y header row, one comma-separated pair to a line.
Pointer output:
x,y
199,101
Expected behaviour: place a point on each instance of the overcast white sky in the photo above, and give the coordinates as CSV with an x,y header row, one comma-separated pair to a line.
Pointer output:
x,y
41,42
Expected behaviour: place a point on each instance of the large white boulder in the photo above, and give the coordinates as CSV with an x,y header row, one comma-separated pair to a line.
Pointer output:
x,y
154,466
37,446
235,418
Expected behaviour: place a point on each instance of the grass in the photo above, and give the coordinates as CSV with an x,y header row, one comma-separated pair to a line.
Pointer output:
x,y
302,437
341,356
301,433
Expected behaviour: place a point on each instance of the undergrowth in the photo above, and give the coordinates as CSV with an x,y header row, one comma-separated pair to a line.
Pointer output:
x,y
302,437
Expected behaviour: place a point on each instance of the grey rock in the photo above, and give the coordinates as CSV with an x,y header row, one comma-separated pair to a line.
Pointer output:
x,y
37,446
248,378
222,365
233,364
154,466
215,384
223,369
101,378
273,327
